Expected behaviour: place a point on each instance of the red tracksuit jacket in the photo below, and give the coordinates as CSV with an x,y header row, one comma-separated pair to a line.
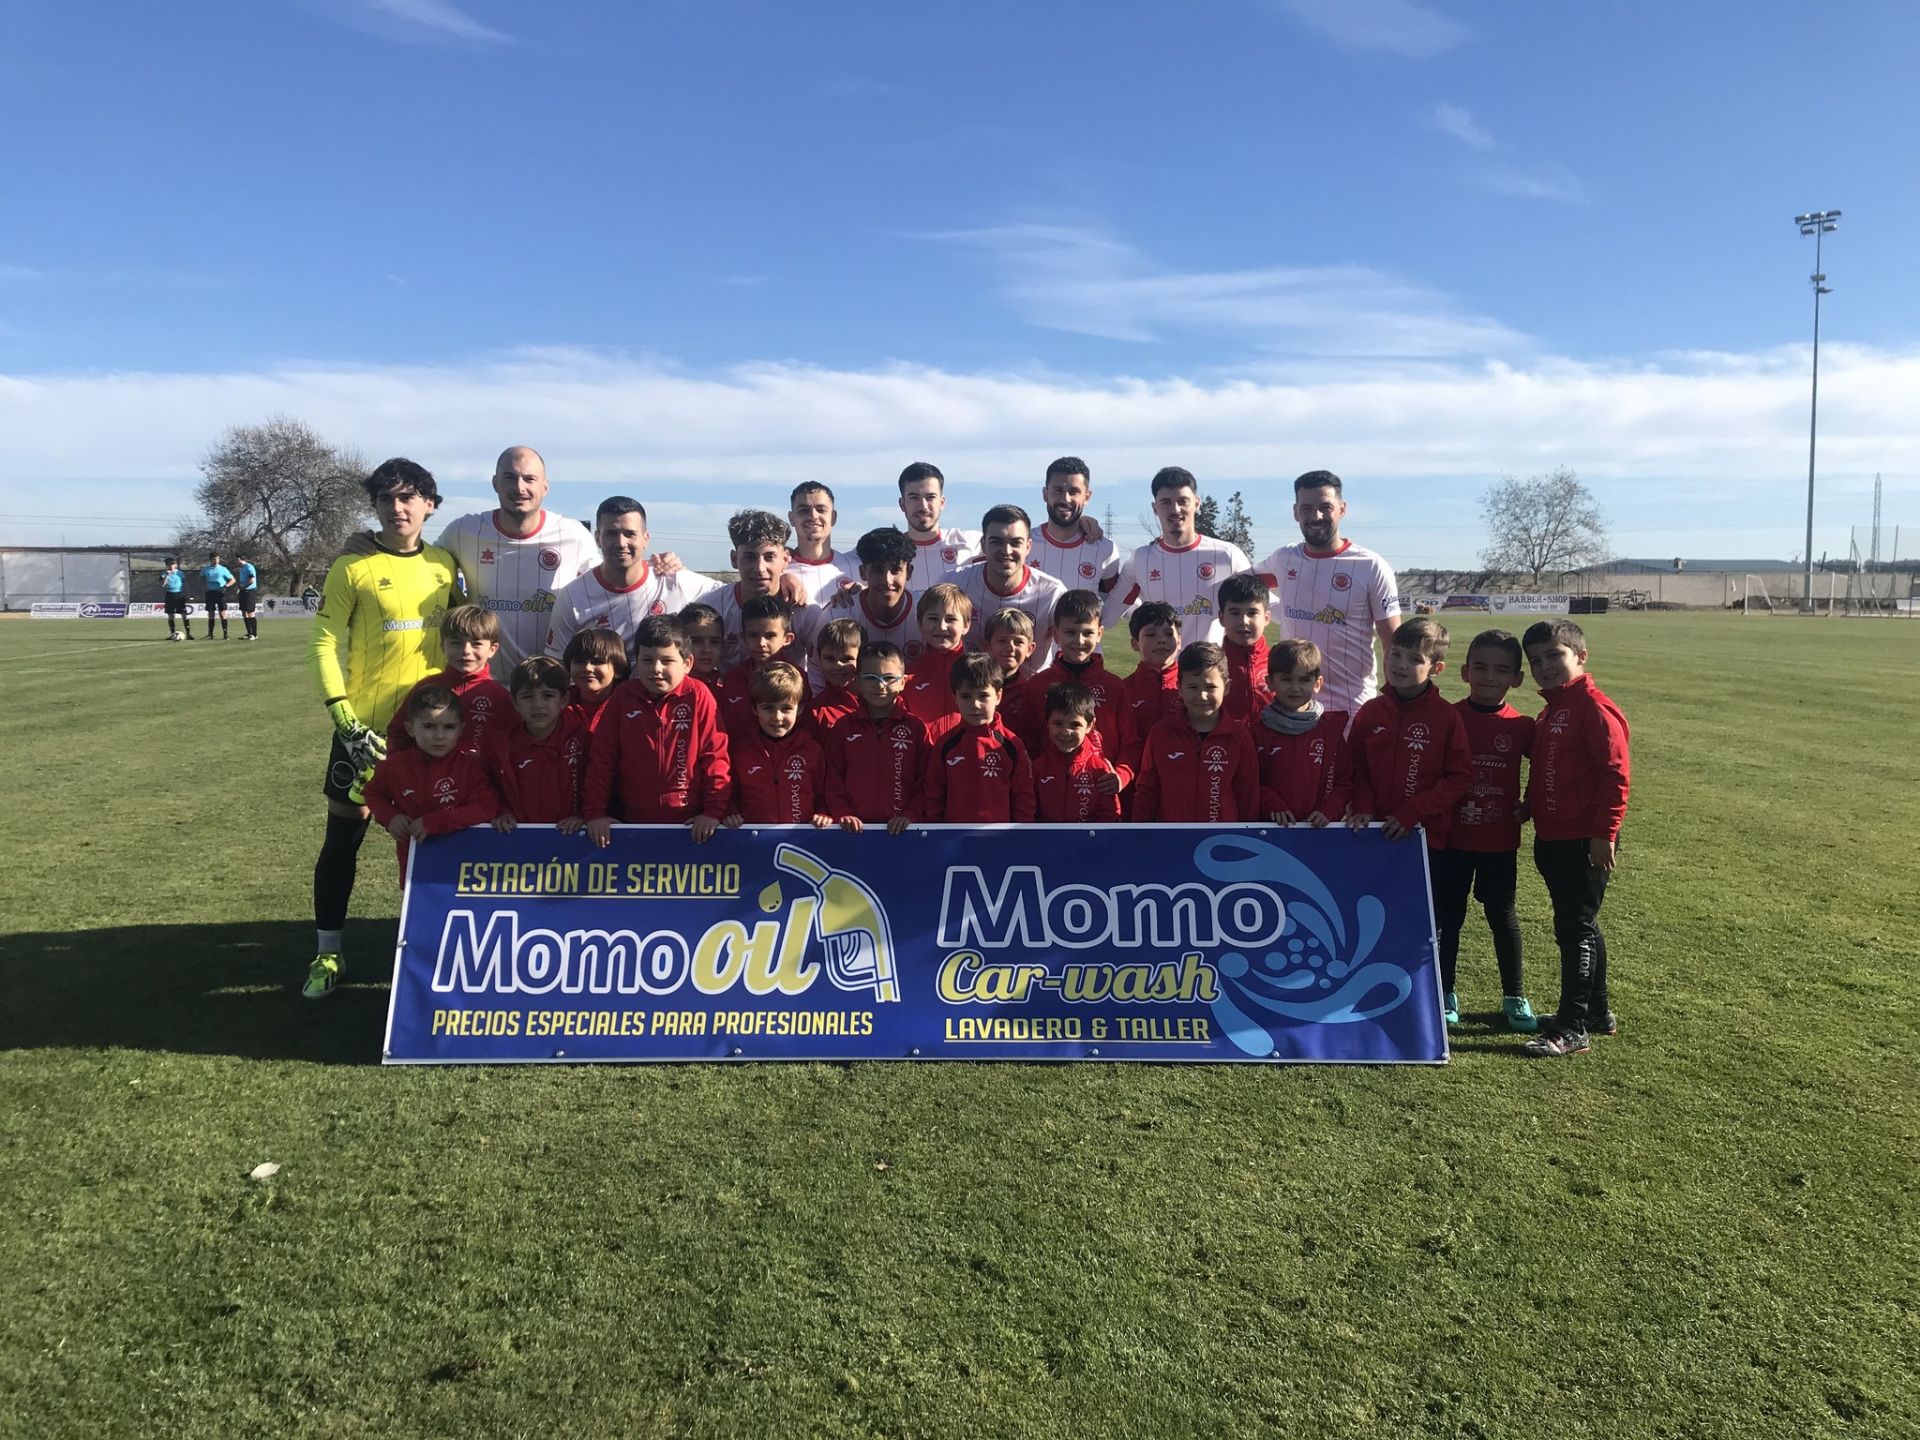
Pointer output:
x,y
778,782
876,768
663,760
1063,785
1151,696
1112,718
1247,692
590,710
1187,777
928,692
1304,773
1410,761
828,708
446,794
1487,819
1579,776
540,780
488,705
977,775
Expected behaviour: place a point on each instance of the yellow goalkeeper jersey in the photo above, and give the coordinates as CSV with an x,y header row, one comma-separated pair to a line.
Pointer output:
x,y
378,629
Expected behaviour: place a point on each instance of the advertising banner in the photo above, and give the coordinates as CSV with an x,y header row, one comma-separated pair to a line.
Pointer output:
x,y
1494,603
1036,942
55,610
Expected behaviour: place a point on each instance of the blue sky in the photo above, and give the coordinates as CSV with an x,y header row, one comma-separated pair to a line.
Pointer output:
x,y
701,251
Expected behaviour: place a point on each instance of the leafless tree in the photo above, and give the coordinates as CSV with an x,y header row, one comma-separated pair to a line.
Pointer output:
x,y
1236,526
1544,524
282,496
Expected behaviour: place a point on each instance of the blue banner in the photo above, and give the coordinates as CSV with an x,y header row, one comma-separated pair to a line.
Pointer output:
x,y
1031,942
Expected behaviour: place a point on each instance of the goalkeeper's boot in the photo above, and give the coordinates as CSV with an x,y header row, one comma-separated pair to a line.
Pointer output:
x,y
1520,1017
322,976
1453,1008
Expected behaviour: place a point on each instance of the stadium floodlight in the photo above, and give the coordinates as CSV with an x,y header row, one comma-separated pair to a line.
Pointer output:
x,y
1817,223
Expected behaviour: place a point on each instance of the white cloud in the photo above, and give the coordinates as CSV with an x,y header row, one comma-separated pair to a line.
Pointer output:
x,y
1086,281
1402,27
419,20
1695,452
1458,121
1544,182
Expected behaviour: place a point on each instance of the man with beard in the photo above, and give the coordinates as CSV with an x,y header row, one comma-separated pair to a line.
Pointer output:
x,y
1062,546
517,556
1005,581
1333,592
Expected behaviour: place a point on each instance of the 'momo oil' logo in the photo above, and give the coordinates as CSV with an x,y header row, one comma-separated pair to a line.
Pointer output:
x,y
833,924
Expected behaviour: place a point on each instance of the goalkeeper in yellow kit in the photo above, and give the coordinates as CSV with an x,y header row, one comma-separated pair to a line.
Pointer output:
x,y
377,632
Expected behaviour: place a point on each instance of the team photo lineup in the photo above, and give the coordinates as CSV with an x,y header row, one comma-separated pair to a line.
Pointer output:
x,y
521,669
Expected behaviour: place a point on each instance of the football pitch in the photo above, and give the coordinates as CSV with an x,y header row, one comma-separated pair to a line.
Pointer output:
x,y
1707,1227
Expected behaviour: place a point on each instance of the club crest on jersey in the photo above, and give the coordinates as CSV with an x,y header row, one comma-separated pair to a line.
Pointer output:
x,y
659,607
1214,757
1417,736
549,558
1204,570
1342,580
1503,743
1086,569
1558,724
683,714
949,554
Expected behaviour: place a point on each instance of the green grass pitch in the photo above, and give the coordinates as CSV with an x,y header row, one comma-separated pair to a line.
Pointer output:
x,y
1705,1228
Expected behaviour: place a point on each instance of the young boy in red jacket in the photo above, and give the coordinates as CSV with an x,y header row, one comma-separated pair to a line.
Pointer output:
x,y
1409,746
1305,775
1152,691
596,661
469,638
837,661
1071,774
1483,840
1243,618
945,612
978,772
1077,636
877,756
1577,780
779,769
540,763
659,753
438,784
1200,767
766,633
1010,643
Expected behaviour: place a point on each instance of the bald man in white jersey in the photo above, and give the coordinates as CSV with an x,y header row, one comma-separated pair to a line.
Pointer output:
x,y
1333,592
1183,567
517,556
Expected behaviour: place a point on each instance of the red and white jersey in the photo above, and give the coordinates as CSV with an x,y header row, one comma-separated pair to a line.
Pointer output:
x,y
936,559
823,577
589,602
1036,594
1334,599
1078,564
1187,579
808,623
518,577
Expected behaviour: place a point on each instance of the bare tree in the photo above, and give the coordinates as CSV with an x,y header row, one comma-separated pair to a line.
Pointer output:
x,y
280,495
1545,523
1236,526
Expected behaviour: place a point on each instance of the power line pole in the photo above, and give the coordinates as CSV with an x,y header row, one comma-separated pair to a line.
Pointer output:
x,y
1817,223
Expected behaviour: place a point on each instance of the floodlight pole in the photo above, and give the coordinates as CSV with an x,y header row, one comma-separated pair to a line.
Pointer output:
x,y
1815,223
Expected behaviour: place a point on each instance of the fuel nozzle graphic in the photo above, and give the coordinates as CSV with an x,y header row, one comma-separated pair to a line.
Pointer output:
x,y
850,923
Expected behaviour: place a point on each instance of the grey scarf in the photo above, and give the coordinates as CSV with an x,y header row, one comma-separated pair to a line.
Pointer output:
x,y
1292,722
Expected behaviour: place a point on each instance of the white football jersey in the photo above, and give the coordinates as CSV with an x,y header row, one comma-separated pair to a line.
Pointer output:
x,y
1334,600
823,577
1187,579
590,601
1080,565
1036,594
937,559
517,578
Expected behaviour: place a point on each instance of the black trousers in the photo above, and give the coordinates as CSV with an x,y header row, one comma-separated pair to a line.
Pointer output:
x,y
1493,876
1576,887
